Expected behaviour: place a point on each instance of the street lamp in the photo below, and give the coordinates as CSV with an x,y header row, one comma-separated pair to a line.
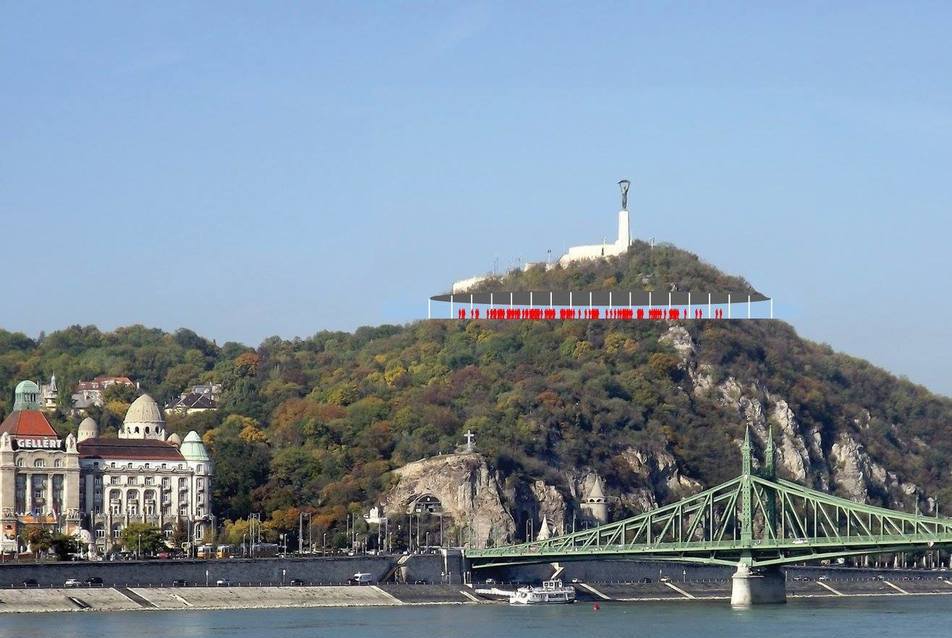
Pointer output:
x,y
324,545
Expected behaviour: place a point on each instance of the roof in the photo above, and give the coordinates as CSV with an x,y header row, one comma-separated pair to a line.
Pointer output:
x,y
26,386
27,423
195,401
102,382
88,425
192,447
144,410
596,492
137,449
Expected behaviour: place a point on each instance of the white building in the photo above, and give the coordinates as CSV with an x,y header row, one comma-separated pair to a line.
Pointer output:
x,y
143,477
93,486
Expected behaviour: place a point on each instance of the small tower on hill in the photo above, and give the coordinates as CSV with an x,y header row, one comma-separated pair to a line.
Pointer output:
x,y
595,504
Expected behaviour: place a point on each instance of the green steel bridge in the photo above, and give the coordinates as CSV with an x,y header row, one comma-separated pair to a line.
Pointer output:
x,y
755,520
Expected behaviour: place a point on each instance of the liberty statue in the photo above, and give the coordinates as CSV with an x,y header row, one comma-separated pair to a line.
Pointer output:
x,y
624,184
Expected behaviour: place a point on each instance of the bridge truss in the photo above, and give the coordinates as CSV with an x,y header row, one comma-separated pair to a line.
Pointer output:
x,y
755,519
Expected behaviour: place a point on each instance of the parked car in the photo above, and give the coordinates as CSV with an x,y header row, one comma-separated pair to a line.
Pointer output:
x,y
72,582
223,582
94,580
30,582
180,582
297,582
645,581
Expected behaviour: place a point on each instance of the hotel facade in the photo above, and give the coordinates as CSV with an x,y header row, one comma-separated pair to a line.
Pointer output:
x,y
92,486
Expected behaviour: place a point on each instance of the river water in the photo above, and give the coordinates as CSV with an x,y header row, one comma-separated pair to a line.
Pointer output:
x,y
927,616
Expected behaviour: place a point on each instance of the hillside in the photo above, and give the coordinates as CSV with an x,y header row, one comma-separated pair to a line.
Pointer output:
x,y
655,408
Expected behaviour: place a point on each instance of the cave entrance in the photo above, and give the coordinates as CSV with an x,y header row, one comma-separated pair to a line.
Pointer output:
x,y
425,529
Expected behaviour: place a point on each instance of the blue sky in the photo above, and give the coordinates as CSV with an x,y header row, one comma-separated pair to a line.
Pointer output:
x,y
251,169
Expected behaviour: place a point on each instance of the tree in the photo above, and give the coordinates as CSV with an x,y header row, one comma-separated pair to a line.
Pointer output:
x,y
142,539
179,535
64,545
39,539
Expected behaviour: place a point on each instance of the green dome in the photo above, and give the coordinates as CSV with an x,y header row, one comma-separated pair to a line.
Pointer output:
x,y
27,386
26,396
192,448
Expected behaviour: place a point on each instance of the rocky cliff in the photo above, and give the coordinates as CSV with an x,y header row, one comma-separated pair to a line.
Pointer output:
x,y
468,493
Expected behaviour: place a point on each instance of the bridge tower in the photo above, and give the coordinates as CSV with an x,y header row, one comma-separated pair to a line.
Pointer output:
x,y
750,587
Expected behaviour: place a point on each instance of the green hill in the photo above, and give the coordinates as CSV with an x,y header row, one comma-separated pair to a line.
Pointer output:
x,y
657,268
320,422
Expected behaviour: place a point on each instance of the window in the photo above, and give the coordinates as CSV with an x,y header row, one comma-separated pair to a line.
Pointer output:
x,y
115,532
201,468
58,463
39,463
19,462
100,532
163,466
114,480
150,480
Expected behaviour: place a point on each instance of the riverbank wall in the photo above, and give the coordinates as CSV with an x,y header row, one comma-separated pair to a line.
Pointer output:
x,y
427,568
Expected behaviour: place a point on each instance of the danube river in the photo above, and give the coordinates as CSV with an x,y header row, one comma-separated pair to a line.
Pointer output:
x,y
864,617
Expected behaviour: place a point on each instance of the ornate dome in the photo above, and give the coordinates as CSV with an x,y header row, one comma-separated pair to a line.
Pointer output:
x,y
25,396
174,439
192,448
144,410
88,429
27,386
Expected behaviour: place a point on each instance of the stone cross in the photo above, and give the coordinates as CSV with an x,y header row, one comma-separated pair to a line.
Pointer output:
x,y
469,440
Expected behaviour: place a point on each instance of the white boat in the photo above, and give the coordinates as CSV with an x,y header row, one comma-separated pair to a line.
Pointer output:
x,y
552,592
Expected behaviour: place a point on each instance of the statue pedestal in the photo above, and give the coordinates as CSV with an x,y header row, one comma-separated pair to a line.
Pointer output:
x,y
762,587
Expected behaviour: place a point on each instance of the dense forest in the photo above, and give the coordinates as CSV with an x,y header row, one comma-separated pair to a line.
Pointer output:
x,y
319,423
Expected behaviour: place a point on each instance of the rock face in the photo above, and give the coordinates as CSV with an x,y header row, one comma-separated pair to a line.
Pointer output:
x,y
467,490
800,451
490,509
551,506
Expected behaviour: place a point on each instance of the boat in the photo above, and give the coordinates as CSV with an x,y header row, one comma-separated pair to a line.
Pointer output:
x,y
552,592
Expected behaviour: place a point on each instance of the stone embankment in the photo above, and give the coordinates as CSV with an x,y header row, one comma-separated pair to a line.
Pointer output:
x,y
25,600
